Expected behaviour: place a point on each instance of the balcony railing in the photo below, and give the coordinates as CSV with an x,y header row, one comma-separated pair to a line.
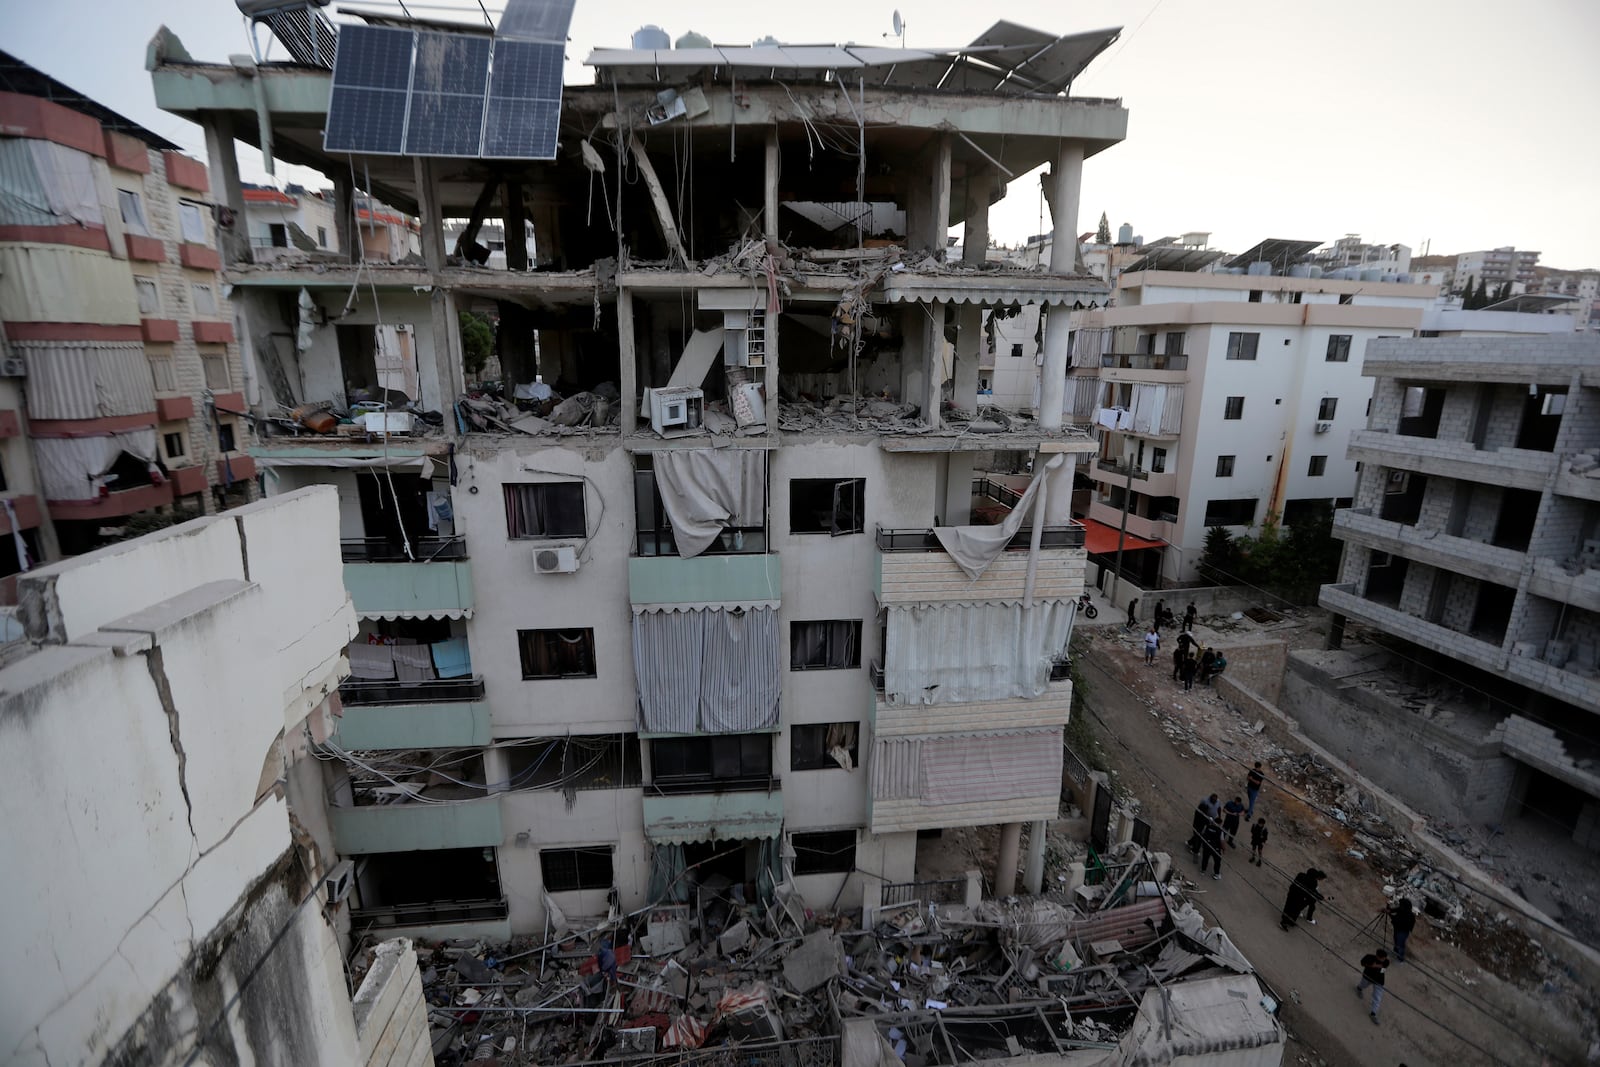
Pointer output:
x,y
434,913
1069,536
875,672
686,786
996,491
1144,361
429,691
1111,466
383,550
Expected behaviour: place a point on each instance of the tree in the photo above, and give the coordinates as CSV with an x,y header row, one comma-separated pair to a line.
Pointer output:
x,y
1219,562
1103,234
477,342
1502,293
1466,295
1481,297
1313,552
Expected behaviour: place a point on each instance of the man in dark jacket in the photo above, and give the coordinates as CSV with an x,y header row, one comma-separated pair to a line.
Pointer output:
x,y
1231,811
1211,848
1404,919
1258,840
1303,893
1372,967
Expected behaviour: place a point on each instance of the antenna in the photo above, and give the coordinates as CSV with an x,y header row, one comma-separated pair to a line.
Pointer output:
x,y
899,25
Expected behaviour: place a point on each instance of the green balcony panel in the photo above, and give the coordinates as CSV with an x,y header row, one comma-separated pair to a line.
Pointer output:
x,y
456,724
717,579
424,590
417,827
713,816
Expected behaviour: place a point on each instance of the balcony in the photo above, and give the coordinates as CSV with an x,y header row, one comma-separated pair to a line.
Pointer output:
x,y
383,583
427,691
705,579
417,827
1553,581
421,717
1053,708
748,810
1581,486
928,781
433,913
1158,529
1475,559
913,568
383,550
1150,483
1144,368
1517,468
1344,600
1581,690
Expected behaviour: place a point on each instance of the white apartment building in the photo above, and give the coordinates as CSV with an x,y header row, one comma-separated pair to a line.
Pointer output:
x,y
1496,266
1224,399
289,222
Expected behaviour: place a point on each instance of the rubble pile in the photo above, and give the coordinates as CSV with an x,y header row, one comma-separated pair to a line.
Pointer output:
x,y
925,983
363,419
538,409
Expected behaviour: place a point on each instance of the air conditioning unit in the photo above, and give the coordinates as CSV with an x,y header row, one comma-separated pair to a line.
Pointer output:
x,y
1324,427
13,367
556,559
337,882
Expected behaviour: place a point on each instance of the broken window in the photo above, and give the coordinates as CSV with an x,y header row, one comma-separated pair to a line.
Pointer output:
x,y
605,761
566,869
827,505
724,759
544,509
1241,512
824,852
818,747
277,235
435,886
215,366
825,645
556,653
1339,348
1016,351
149,296
655,536
225,437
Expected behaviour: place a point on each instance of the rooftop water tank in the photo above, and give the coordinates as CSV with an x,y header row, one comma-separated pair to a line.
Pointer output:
x,y
1313,271
1300,270
1125,234
651,38
693,40
1371,275
1390,276
1259,268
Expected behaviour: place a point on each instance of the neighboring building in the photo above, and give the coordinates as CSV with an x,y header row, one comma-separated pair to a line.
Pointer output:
x,y
1474,542
115,315
1583,286
384,235
1351,251
636,659
1236,393
1497,266
1435,270
171,894
289,222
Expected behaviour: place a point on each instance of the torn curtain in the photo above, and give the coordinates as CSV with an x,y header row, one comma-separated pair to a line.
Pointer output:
x,y
975,547
958,653
705,490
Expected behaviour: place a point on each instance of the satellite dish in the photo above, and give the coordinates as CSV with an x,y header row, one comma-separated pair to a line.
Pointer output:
x,y
899,24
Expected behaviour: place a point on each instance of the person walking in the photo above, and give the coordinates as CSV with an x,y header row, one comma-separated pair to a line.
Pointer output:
x,y
1133,619
1204,812
1404,919
1177,662
1189,615
1373,965
1258,840
1252,789
1211,848
1152,645
1187,670
1302,893
1207,659
1231,811
1160,615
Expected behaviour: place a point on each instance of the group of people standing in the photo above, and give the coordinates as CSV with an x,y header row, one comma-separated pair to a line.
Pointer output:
x,y
1190,661
1216,825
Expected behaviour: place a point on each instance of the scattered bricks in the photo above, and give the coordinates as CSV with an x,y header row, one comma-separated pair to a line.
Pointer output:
x,y
734,938
819,957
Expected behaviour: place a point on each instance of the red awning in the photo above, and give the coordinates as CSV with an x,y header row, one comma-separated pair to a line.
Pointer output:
x,y
1101,540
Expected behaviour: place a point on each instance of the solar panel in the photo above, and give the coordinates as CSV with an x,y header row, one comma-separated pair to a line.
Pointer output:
x,y
451,63
371,83
443,124
527,70
373,57
536,20
521,129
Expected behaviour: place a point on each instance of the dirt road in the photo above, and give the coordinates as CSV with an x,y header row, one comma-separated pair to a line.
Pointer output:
x,y
1170,749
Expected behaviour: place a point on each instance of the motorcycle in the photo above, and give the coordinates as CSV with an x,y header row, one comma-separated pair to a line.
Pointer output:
x,y
1086,606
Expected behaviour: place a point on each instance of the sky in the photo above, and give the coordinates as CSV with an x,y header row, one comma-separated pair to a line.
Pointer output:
x,y
1447,124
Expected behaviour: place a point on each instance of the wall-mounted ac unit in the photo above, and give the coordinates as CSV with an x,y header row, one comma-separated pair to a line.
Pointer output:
x,y
337,882
13,367
555,559
1324,427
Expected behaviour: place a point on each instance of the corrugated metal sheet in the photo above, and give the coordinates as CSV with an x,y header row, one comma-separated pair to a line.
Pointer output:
x,y
87,379
932,577
897,769
964,770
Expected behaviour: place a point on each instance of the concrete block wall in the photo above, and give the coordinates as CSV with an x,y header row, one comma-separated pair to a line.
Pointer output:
x,y
1418,591
1580,423
1558,533
1387,397
1438,499
1357,560
1258,666
1460,408
1460,601
1505,416
1483,512
1533,621
390,1013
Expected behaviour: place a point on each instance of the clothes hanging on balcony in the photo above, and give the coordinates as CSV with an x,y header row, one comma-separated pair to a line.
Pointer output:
x,y
705,490
958,653
369,662
975,547
707,670
450,658
413,662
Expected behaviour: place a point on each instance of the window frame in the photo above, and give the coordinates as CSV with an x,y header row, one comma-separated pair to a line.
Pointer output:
x,y
182,451
826,847
227,436
849,496
795,632
1239,341
712,759
526,653
143,286
821,761
1255,506
1327,408
218,375
1232,412
581,879
1225,466
196,211
1016,350
139,224
199,290
1339,352
166,380
509,488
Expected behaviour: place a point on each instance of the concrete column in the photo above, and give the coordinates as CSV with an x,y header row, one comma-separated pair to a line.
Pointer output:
x,y
769,217
1058,501
224,164
958,488
447,353
496,769
1063,186
939,223
432,218
344,213
969,354
1005,872
627,360
933,361
1033,871
516,223
975,238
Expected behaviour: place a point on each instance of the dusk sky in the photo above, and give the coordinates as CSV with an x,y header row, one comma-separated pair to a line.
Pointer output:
x,y
1467,124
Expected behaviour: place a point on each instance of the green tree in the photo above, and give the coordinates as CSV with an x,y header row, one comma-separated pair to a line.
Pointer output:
x,y
1312,553
1466,295
1103,234
1481,297
1219,562
477,341
1502,293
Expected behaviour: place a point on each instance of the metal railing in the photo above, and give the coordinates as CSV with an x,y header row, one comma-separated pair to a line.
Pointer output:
x,y
1074,766
434,912
685,786
1068,536
383,550
996,491
1111,466
875,672
427,691
821,1051
1144,361
940,891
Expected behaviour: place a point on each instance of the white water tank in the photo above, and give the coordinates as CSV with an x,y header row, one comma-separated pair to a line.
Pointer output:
x,y
1125,234
1300,270
1260,268
651,38
693,40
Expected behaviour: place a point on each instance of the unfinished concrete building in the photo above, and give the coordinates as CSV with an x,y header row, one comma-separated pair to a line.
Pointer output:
x,y
1474,544
696,590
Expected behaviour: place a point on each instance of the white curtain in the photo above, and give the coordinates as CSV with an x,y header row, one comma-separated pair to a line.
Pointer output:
x,y
975,547
74,468
707,670
705,490
68,179
1157,409
23,201
958,653
87,379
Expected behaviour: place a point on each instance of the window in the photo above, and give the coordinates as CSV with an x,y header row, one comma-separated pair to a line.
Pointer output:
x,y
1234,408
1175,341
582,761
556,653
1224,466
149,296
1317,467
723,757
133,212
1255,296
192,221
215,365
1016,351
811,748
545,509
825,645
654,525
1158,460
1347,298
166,381
173,443
1243,345
827,505
1339,348
566,869
322,237
205,301
225,442
1231,512
278,235
824,852
1325,410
